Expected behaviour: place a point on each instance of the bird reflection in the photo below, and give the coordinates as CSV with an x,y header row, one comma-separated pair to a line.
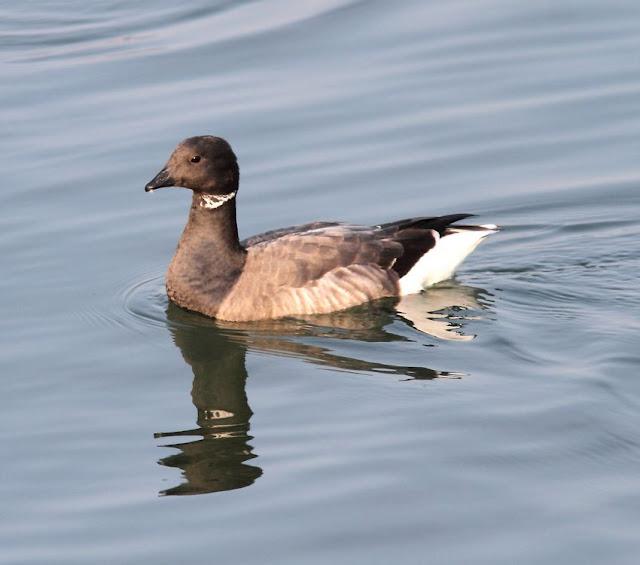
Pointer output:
x,y
220,458
216,461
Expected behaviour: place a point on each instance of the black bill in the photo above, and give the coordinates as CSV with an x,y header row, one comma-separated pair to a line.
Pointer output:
x,y
163,178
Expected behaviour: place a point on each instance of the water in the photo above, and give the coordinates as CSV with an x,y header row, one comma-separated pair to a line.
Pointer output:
x,y
354,438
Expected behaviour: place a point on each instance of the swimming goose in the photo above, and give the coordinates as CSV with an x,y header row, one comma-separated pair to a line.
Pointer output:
x,y
313,268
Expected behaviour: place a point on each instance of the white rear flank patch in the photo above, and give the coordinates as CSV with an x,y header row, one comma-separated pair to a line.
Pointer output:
x,y
213,201
439,263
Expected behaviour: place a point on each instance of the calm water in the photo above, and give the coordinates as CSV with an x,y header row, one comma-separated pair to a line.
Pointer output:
x,y
354,438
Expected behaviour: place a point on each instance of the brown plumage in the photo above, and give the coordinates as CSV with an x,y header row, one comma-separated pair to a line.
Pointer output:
x,y
312,271
309,269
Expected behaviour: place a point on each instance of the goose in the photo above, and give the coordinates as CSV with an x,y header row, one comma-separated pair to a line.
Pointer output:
x,y
314,268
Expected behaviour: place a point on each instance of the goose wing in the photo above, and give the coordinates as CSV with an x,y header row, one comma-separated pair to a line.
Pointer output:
x,y
275,234
313,270
322,267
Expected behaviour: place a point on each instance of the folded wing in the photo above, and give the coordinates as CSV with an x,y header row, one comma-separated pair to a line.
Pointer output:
x,y
314,271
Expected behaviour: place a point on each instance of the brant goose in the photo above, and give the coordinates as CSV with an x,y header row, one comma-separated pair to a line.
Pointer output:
x,y
314,268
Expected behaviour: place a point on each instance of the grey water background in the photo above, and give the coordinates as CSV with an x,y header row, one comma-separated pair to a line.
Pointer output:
x,y
354,438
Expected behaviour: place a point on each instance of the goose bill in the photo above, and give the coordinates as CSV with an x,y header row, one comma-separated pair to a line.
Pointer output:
x,y
163,178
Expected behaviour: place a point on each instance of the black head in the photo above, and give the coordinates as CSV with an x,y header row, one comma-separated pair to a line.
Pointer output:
x,y
205,164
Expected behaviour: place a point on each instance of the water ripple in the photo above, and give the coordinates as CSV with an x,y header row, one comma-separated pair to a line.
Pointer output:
x,y
69,33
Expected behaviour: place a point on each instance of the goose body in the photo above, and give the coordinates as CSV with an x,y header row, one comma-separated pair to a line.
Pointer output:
x,y
309,269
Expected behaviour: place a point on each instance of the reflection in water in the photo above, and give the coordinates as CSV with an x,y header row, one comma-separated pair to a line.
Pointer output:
x,y
216,352
216,462
436,313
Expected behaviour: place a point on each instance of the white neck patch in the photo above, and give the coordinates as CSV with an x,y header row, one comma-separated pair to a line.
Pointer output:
x,y
213,201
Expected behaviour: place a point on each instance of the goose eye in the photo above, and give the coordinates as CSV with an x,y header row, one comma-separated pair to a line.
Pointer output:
x,y
195,159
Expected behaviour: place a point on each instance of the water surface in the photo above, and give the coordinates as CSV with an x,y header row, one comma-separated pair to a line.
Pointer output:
x,y
497,425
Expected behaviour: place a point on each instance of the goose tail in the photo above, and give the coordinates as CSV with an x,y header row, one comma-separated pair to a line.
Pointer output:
x,y
440,261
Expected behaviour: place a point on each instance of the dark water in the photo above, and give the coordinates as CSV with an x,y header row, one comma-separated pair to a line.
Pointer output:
x,y
353,438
